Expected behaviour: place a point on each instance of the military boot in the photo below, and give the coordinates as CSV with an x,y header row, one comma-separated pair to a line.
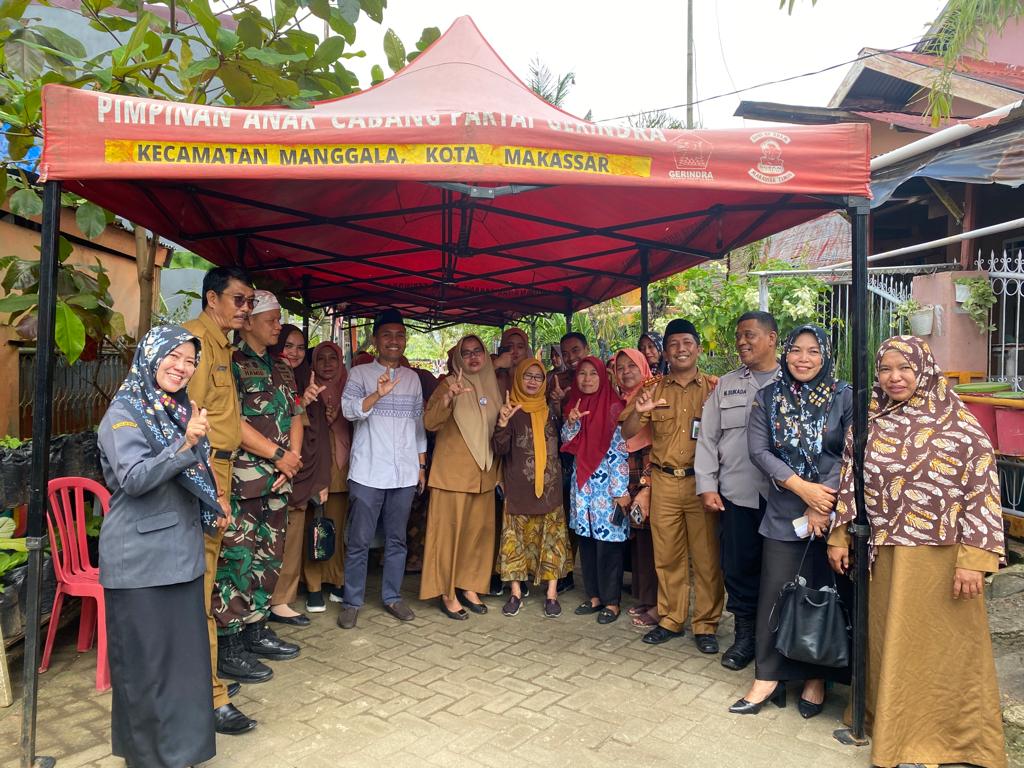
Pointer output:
x,y
260,640
741,652
234,663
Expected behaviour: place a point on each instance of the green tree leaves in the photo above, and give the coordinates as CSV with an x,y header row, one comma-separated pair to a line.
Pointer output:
x,y
394,50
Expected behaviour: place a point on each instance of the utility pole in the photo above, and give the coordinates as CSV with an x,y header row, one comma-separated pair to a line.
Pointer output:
x,y
689,64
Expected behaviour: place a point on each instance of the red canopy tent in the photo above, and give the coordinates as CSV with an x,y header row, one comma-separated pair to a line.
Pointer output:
x,y
449,191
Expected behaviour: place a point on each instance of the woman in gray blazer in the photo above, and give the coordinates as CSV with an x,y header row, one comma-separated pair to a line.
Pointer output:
x,y
155,460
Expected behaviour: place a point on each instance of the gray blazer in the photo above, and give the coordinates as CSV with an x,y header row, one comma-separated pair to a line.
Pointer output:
x,y
785,506
152,535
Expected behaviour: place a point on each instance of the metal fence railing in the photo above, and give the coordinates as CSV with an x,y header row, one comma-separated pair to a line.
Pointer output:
x,y
81,392
1005,347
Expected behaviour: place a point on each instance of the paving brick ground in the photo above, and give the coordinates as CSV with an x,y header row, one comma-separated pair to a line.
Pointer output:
x,y
492,691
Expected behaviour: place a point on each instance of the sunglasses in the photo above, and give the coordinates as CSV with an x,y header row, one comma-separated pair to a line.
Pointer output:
x,y
240,300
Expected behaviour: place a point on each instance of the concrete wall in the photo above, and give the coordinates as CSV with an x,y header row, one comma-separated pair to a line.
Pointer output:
x,y
956,341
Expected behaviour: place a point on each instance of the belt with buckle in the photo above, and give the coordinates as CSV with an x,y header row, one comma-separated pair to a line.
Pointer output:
x,y
222,455
674,471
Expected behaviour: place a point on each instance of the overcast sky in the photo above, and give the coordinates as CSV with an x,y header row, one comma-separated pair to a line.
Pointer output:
x,y
631,56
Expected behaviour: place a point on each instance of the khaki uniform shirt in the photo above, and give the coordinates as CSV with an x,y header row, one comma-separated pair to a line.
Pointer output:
x,y
453,467
674,427
723,458
213,387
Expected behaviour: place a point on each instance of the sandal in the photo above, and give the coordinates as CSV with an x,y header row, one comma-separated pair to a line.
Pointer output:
x,y
637,610
644,620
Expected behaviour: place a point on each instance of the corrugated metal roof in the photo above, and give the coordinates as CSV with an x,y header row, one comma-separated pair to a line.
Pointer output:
x,y
994,72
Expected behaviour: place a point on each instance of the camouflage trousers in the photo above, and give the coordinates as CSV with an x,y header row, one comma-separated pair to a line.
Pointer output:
x,y
249,562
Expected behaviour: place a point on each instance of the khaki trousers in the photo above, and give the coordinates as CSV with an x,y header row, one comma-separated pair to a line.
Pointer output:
x,y
222,471
331,571
291,565
683,532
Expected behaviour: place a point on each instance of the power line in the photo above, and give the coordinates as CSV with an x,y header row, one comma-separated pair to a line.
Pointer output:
x,y
762,85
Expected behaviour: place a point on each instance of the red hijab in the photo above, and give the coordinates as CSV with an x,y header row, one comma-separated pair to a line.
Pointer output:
x,y
596,429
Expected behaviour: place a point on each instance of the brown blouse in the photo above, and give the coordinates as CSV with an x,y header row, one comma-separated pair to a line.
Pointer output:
x,y
514,444
453,467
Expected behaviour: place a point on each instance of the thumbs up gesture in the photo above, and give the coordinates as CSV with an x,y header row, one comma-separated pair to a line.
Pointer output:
x,y
197,425
507,411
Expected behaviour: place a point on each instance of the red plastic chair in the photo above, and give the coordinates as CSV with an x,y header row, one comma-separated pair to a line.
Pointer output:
x,y
76,576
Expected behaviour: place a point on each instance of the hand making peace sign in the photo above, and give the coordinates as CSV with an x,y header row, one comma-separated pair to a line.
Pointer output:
x,y
507,410
556,393
575,414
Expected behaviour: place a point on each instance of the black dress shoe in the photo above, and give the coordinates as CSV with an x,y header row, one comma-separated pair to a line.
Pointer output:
x,y
459,615
776,697
295,621
233,689
478,608
260,640
606,616
660,635
587,608
809,709
706,643
229,721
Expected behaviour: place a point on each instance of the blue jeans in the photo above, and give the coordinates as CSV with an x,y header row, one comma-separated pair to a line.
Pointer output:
x,y
367,506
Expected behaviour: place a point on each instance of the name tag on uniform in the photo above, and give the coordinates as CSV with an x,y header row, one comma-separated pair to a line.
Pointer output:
x,y
694,429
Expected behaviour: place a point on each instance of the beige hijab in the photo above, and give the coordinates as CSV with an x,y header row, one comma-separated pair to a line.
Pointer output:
x,y
476,412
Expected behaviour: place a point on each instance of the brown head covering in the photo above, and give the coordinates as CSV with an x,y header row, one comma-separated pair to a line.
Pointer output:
x,y
331,396
929,469
476,412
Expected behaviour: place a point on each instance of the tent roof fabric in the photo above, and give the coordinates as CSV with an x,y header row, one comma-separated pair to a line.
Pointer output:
x,y
450,191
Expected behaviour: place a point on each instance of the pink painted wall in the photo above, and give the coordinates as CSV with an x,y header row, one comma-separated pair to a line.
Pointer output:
x,y
955,340
1009,46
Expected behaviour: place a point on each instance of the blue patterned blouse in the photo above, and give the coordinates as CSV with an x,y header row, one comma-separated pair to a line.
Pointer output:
x,y
592,507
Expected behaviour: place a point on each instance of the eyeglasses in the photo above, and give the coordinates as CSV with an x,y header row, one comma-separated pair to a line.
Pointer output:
x,y
533,377
468,353
240,300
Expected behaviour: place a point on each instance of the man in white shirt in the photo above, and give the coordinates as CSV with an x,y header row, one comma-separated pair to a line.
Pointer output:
x,y
384,402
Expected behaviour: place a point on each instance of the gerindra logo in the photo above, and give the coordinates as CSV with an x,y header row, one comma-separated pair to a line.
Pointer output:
x,y
770,167
692,155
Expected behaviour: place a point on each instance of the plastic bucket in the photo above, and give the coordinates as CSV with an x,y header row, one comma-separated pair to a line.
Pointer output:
x,y
986,416
1010,431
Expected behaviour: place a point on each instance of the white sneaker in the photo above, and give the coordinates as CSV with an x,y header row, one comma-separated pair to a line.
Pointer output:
x,y
336,596
315,602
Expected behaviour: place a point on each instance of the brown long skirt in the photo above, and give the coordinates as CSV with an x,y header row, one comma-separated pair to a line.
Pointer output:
x,y
932,695
459,552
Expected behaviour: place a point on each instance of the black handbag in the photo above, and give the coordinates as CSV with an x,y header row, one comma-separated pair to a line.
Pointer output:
x,y
811,625
320,540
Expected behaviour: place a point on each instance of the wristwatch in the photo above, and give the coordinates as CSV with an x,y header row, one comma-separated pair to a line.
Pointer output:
x,y
423,466
279,453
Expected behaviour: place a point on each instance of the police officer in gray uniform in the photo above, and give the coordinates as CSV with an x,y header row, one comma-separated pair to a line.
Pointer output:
x,y
728,483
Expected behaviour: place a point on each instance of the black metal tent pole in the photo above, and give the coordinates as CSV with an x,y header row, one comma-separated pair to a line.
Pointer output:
x,y
305,308
35,535
859,209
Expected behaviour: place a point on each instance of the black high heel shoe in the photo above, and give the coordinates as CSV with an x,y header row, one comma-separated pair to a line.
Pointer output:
x,y
744,707
809,709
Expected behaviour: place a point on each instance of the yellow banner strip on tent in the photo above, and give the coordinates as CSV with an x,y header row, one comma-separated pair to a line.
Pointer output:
x,y
304,155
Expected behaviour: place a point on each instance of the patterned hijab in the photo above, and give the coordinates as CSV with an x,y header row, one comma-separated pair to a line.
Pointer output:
x,y
537,406
641,439
163,416
798,411
590,445
341,431
657,340
476,412
929,470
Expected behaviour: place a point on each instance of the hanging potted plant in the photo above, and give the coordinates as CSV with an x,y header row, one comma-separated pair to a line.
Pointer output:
x,y
919,317
979,300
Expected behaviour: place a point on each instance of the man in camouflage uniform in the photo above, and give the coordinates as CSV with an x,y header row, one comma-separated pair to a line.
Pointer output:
x,y
253,546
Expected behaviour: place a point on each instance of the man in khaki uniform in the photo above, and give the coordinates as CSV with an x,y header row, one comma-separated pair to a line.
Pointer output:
x,y
228,297
681,528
